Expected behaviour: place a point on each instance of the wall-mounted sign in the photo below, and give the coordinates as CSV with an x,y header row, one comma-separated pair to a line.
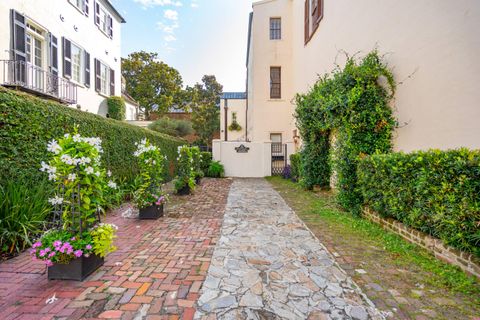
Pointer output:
x,y
242,149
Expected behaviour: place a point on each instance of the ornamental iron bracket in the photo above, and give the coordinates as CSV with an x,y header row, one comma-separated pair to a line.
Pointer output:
x,y
242,149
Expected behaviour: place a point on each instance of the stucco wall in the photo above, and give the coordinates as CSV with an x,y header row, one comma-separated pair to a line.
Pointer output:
x,y
239,107
88,36
270,115
433,47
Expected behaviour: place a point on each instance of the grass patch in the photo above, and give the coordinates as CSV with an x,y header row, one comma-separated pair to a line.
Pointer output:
x,y
320,208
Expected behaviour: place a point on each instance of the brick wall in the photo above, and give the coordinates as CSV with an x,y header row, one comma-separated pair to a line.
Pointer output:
x,y
466,261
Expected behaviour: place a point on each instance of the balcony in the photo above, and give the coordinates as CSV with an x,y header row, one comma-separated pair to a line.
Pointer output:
x,y
27,77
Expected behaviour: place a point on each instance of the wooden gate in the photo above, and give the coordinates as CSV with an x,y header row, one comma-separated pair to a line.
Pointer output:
x,y
279,158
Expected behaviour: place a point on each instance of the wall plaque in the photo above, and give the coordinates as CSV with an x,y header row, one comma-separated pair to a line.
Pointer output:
x,y
242,149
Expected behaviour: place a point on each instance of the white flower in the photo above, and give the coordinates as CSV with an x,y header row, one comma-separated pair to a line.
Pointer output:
x,y
89,170
67,135
77,138
72,176
154,162
52,176
112,184
109,173
54,147
97,173
67,159
47,168
56,200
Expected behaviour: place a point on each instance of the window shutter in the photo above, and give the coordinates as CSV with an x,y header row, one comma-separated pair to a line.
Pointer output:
x,y
86,8
110,26
53,53
98,85
67,58
97,13
112,82
320,11
87,69
18,36
307,20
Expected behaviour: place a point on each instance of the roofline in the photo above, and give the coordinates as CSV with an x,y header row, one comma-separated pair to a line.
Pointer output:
x,y
249,40
111,7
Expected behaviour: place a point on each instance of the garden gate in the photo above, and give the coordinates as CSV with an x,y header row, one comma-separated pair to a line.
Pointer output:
x,y
279,158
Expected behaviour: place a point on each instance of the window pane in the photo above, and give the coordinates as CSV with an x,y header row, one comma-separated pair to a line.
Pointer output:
x,y
103,78
275,83
76,63
275,28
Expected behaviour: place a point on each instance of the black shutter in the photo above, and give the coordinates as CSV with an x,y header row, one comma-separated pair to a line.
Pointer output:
x,y
110,26
97,13
18,36
87,69
98,85
53,63
112,82
86,8
67,58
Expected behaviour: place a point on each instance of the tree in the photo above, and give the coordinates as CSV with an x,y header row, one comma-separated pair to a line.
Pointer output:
x,y
205,100
154,84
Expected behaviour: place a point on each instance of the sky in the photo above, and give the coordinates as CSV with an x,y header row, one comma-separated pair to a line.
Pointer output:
x,y
196,37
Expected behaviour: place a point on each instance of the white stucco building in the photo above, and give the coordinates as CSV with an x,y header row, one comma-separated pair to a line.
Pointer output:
x,y
432,46
67,50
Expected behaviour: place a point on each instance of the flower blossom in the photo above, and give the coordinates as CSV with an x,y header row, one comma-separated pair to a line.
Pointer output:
x,y
112,184
72,176
56,200
89,170
54,147
78,253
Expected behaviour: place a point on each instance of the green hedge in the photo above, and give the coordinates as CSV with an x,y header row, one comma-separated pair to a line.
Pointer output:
x,y
28,123
116,108
437,192
295,163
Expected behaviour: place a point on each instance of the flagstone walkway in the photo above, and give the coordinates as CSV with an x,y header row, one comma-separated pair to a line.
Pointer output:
x,y
268,265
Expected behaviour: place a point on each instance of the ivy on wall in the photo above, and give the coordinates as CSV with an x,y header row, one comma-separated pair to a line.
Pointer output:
x,y
354,101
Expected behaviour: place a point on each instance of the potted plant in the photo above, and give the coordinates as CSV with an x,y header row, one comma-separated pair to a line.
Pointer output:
x,y
148,196
197,164
77,243
185,180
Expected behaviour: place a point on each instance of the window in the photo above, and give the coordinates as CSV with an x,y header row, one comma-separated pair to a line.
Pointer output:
x,y
275,82
81,5
77,65
103,20
276,137
104,71
275,28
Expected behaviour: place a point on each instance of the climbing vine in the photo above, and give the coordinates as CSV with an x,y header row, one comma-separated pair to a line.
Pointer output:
x,y
234,126
353,102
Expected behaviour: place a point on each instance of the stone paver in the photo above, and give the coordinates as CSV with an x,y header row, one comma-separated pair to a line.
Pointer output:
x,y
267,265
156,273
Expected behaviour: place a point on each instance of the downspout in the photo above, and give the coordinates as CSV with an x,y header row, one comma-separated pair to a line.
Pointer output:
x,y
246,112
226,119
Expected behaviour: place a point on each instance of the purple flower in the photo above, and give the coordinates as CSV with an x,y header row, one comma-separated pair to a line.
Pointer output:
x,y
57,243
73,239
70,250
47,249
78,253
37,244
52,254
88,247
42,253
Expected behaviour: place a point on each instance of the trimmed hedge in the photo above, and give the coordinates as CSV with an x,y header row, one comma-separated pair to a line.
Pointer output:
x,y
116,108
27,124
437,192
295,163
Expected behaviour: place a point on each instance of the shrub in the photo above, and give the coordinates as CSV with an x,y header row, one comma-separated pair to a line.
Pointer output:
x,y
116,108
205,160
295,163
24,213
186,174
436,192
315,163
196,157
172,127
216,170
28,123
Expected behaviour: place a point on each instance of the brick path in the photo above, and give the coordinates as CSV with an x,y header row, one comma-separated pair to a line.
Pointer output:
x,y
156,273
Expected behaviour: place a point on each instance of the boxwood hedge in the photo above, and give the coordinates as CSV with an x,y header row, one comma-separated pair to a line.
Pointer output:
x,y
27,123
437,192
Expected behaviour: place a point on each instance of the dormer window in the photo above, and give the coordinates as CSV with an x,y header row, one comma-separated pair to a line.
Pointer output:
x,y
103,20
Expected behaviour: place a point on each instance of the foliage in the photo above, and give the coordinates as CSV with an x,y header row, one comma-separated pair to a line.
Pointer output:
x,y
185,170
197,162
149,181
116,108
28,123
436,192
287,172
295,166
234,126
204,102
172,127
319,209
155,85
78,177
205,160
353,102
216,170
24,213
102,238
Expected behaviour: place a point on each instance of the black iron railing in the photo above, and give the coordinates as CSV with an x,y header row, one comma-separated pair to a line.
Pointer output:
x,y
36,80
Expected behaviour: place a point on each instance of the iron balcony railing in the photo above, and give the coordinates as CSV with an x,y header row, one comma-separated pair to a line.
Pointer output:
x,y
34,79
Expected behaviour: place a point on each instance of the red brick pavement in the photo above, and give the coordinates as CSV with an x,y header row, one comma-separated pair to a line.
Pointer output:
x,y
156,273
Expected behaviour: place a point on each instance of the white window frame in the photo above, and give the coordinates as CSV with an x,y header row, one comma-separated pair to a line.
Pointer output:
x,y
81,65
76,5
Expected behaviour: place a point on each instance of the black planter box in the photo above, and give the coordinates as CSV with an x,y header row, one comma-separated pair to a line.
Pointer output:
x,y
184,191
77,269
198,180
152,212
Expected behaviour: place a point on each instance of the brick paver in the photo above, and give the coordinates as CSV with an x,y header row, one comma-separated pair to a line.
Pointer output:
x,y
156,273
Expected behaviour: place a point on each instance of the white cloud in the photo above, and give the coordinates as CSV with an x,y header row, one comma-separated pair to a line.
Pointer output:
x,y
170,14
194,4
151,3
169,38
168,28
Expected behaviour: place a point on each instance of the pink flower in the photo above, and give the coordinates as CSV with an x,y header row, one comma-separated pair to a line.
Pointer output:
x,y
78,253
73,239
52,254
37,244
49,263
86,255
70,250
57,243
42,253
47,249
33,251
88,247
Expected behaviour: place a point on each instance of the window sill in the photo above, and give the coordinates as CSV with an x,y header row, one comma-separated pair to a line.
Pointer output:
x,y
104,33
276,100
